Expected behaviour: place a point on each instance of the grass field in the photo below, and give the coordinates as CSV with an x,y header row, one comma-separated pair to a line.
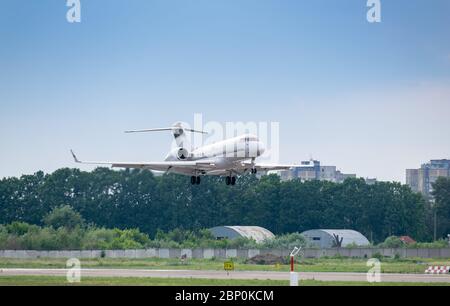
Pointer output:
x,y
138,281
306,265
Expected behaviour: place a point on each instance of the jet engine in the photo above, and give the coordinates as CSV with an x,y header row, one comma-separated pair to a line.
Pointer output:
x,y
178,154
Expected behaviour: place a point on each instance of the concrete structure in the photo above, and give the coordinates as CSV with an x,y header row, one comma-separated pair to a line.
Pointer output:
x,y
326,238
421,180
256,233
362,252
312,170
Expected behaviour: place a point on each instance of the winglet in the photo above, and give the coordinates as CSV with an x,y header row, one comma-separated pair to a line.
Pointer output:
x,y
75,157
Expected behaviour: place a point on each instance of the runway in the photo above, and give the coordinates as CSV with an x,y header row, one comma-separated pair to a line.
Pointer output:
x,y
203,274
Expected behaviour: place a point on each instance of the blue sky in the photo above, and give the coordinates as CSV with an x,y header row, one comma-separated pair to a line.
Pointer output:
x,y
373,99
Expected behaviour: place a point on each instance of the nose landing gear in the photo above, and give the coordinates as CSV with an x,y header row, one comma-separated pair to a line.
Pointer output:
x,y
195,180
230,180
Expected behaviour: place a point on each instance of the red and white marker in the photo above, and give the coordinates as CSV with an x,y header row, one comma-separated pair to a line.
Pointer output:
x,y
293,274
437,270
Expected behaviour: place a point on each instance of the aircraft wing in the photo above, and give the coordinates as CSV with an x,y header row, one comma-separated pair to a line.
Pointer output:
x,y
157,166
268,167
246,168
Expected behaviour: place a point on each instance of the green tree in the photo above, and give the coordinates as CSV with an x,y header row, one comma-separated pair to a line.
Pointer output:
x,y
441,194
392,242
136,199
64,216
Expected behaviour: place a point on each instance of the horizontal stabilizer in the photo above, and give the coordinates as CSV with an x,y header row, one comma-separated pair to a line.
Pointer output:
x,y
173,128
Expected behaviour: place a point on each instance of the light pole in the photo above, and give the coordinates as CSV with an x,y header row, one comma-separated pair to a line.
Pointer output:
x,y
435,225
434,208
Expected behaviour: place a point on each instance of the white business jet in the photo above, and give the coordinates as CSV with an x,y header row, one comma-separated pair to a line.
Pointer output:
x,y
228,158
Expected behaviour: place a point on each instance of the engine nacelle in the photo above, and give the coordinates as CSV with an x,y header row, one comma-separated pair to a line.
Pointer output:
x,y
178,154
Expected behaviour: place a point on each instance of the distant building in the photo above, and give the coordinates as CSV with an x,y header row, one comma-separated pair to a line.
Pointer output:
x,y
257,233
312,170
370,181
421,180
329,238
407,240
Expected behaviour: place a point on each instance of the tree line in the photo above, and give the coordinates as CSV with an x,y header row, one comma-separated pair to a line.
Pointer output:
x,y
65,229
137,199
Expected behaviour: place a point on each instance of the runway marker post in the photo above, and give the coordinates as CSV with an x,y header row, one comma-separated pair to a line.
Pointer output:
x,y
228,266
294,275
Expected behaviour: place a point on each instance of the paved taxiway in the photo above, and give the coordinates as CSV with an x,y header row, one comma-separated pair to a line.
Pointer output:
x,y
261,275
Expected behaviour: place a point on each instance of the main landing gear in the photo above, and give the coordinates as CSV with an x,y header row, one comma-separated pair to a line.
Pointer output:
x,y
230,180
254,170
195,180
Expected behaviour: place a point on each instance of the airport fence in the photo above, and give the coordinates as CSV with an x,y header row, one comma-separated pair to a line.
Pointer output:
x,y
228,253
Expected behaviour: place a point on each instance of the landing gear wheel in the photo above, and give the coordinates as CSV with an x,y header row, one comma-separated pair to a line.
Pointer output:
x,y
233,180
193,180
254,171
198,180
228,180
